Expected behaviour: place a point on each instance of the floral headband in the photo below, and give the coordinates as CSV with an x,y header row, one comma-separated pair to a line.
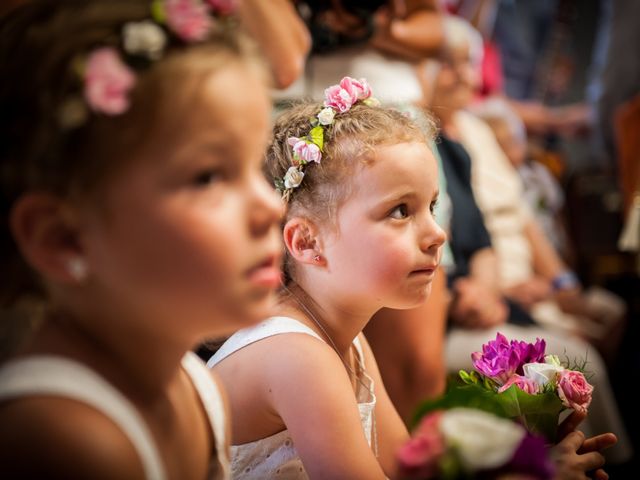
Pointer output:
x,y
338,99
106,71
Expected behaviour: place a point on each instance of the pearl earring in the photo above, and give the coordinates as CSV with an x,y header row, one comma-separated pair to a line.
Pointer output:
x,y
78,269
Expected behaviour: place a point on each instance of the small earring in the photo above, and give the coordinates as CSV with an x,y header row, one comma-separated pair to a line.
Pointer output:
x,y
78,269
317,258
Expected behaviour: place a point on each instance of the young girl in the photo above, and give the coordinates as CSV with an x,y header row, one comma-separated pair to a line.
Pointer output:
x,y
136,222
306,395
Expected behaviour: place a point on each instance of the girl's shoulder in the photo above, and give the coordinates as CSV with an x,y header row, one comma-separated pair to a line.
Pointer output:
x,y
267,332
54,409
278,352
55,436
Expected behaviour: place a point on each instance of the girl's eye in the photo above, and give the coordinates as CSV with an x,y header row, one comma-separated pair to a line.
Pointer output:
x,y
432,206
206,177
399,212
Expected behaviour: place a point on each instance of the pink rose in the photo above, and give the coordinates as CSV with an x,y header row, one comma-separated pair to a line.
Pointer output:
x,y
189,19
107,82
309,152
574,390
223,7
525,384
418,458
338,98
358,89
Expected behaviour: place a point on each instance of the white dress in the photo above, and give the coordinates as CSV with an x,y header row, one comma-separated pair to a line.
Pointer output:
x,y
62,377
276,456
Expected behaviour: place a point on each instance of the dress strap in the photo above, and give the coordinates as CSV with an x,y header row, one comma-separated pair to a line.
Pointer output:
x,y
358,345
211,398
47,375
270,327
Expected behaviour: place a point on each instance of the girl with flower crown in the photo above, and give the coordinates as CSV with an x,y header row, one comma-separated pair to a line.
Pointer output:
x,y
135,222
307,399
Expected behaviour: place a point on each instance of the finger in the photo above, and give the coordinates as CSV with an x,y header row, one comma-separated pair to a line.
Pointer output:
x,y
591,460
599,442
572,441
600,474
570,424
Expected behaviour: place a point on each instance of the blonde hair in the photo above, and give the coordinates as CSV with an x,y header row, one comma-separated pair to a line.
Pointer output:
x,y
351,140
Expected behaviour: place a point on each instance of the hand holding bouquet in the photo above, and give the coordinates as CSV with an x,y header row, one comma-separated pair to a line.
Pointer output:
x,y
470,443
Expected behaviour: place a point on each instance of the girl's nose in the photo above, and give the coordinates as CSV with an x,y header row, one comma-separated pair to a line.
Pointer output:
x,y
433,236
267,208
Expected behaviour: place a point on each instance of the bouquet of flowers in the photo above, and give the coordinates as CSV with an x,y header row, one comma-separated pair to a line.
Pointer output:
x,y
517,380
470,443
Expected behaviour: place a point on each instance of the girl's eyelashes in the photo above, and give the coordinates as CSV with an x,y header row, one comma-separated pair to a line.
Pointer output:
x,y
206,177
432,206
399,212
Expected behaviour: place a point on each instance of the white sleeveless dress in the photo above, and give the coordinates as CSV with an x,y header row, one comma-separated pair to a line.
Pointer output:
x,y
276,456
62,377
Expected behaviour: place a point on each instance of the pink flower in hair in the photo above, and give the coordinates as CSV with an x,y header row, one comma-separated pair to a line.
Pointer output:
x,y
303,151
189,19
223,7
338,98
358,89
107,82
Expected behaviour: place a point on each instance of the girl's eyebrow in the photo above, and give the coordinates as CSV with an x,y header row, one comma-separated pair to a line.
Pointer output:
x,y
215,148
398,196
401,196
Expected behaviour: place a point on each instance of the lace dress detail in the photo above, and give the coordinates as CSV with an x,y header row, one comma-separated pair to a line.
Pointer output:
x,y
63,377
275,456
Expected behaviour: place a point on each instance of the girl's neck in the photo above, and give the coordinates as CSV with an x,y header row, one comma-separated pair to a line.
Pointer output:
x,y
141,367
338,323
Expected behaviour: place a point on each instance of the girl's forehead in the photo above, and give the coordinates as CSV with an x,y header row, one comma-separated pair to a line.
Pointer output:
x,y
401,166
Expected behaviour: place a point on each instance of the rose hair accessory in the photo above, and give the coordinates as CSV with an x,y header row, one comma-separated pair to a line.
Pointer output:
x,y
338,100
108,73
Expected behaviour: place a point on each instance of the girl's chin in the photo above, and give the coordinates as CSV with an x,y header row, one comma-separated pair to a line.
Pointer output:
x,y
412,299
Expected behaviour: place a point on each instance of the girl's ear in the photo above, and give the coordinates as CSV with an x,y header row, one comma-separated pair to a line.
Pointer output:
x,y
46,234
301,237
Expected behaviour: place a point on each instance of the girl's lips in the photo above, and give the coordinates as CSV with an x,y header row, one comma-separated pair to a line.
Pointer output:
x,y
267,273
426,270
268,276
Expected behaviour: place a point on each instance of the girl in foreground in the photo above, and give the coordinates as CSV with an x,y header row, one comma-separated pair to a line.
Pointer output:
x,y
136,221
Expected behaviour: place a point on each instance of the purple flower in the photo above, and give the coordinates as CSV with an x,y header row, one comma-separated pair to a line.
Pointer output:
x,y
531,458
501,359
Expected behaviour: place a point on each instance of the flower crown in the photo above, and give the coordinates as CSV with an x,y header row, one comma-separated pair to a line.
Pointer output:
x,y
338,99
107,72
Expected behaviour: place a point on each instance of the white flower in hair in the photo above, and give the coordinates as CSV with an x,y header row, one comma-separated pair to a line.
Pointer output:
x,y
325,117
144,38
293,177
